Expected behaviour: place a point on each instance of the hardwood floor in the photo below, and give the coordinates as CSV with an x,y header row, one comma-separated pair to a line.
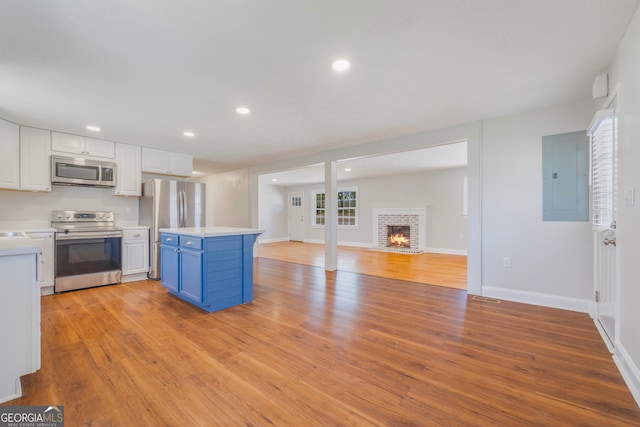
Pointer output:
x,y
318,348
434,269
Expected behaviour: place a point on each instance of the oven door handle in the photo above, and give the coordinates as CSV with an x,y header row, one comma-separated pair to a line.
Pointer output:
x,y
76,235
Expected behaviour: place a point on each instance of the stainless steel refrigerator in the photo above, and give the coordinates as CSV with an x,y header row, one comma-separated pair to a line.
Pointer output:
x,y
169,204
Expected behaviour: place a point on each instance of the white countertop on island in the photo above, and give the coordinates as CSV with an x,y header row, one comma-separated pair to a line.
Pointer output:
x,y
211,231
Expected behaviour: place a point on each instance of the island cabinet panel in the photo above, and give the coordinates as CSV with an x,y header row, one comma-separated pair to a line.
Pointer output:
x,y
191,275
170,261
214,273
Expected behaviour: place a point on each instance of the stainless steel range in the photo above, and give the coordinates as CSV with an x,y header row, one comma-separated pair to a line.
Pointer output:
x,y
88,249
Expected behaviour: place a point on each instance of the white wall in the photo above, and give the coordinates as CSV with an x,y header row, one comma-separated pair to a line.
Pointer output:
x,y
272,212
440,191
227,199
625,69
33,210
550,259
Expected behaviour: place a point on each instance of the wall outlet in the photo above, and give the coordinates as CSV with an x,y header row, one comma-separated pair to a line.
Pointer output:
x,y
506,262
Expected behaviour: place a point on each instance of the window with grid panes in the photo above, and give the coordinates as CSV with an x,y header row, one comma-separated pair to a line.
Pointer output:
x,y
318,213
347,207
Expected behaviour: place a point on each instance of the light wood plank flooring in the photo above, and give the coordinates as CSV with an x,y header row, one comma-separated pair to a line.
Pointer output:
x,y
434,269
322,349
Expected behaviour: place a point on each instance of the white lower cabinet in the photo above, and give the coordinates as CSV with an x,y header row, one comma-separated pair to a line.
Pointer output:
x,y
44,239
19,321
135,253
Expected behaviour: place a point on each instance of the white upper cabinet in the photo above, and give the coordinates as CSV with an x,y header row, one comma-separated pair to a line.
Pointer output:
x,y
154,161
100,148
75,144
128,172
67,143
9,155
35,163
166,163
180,164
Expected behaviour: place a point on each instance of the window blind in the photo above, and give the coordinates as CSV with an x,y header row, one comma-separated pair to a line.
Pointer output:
x,y
603,169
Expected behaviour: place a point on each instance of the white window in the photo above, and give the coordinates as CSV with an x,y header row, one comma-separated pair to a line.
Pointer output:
x,y
602,136
318,208
347,206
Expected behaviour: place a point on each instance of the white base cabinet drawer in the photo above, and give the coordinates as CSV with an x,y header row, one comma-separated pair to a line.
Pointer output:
x,y
135,251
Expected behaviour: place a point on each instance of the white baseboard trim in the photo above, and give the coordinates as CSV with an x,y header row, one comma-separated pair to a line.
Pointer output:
x,y
17,392
446,251
272,240
629,370
363,245
603,335
545,300
314,241
133,277
355,244
340,243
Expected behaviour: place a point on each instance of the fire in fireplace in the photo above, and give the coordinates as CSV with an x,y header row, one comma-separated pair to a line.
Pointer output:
x,y
398,236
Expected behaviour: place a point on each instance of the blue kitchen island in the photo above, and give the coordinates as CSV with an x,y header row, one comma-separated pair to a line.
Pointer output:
x,y
209,267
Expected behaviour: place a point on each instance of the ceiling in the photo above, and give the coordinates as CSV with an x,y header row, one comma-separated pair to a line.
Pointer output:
x,y
452,155
145,71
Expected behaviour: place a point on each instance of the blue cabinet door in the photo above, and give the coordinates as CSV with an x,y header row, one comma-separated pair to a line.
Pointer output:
x,y
191,275
169,262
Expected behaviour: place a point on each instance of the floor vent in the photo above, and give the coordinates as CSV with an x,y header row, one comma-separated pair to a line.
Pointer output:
x,y
486,299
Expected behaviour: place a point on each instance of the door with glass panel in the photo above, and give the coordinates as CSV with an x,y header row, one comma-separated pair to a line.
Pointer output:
x,y
296,217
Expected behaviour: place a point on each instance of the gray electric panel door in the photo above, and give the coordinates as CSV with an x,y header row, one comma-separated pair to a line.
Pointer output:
x,y
565,172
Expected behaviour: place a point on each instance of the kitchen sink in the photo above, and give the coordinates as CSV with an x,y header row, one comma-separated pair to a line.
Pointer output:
x,y
12,234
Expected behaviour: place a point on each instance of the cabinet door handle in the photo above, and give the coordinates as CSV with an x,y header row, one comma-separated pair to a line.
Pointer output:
x,y
168,239
189,242
136,235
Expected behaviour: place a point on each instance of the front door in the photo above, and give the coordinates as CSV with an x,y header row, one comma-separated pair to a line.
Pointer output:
x,y
296,217
604,195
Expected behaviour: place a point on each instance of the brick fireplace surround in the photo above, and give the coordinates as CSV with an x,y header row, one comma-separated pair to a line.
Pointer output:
x,y
416,218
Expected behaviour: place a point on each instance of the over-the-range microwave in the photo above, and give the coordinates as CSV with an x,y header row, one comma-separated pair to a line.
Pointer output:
x,y
79,171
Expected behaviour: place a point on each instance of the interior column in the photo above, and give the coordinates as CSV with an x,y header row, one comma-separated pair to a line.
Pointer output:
x,y
331,216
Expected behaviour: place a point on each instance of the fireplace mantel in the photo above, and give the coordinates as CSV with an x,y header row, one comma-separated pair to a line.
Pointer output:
x,y
417,217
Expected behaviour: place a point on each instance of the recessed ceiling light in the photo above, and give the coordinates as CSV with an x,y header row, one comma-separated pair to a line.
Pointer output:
x,y
187,133
341,65
94,128
347,170
242,110
274,179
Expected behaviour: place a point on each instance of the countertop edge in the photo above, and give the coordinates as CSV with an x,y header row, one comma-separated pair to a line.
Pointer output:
x,y
18,246
212,231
